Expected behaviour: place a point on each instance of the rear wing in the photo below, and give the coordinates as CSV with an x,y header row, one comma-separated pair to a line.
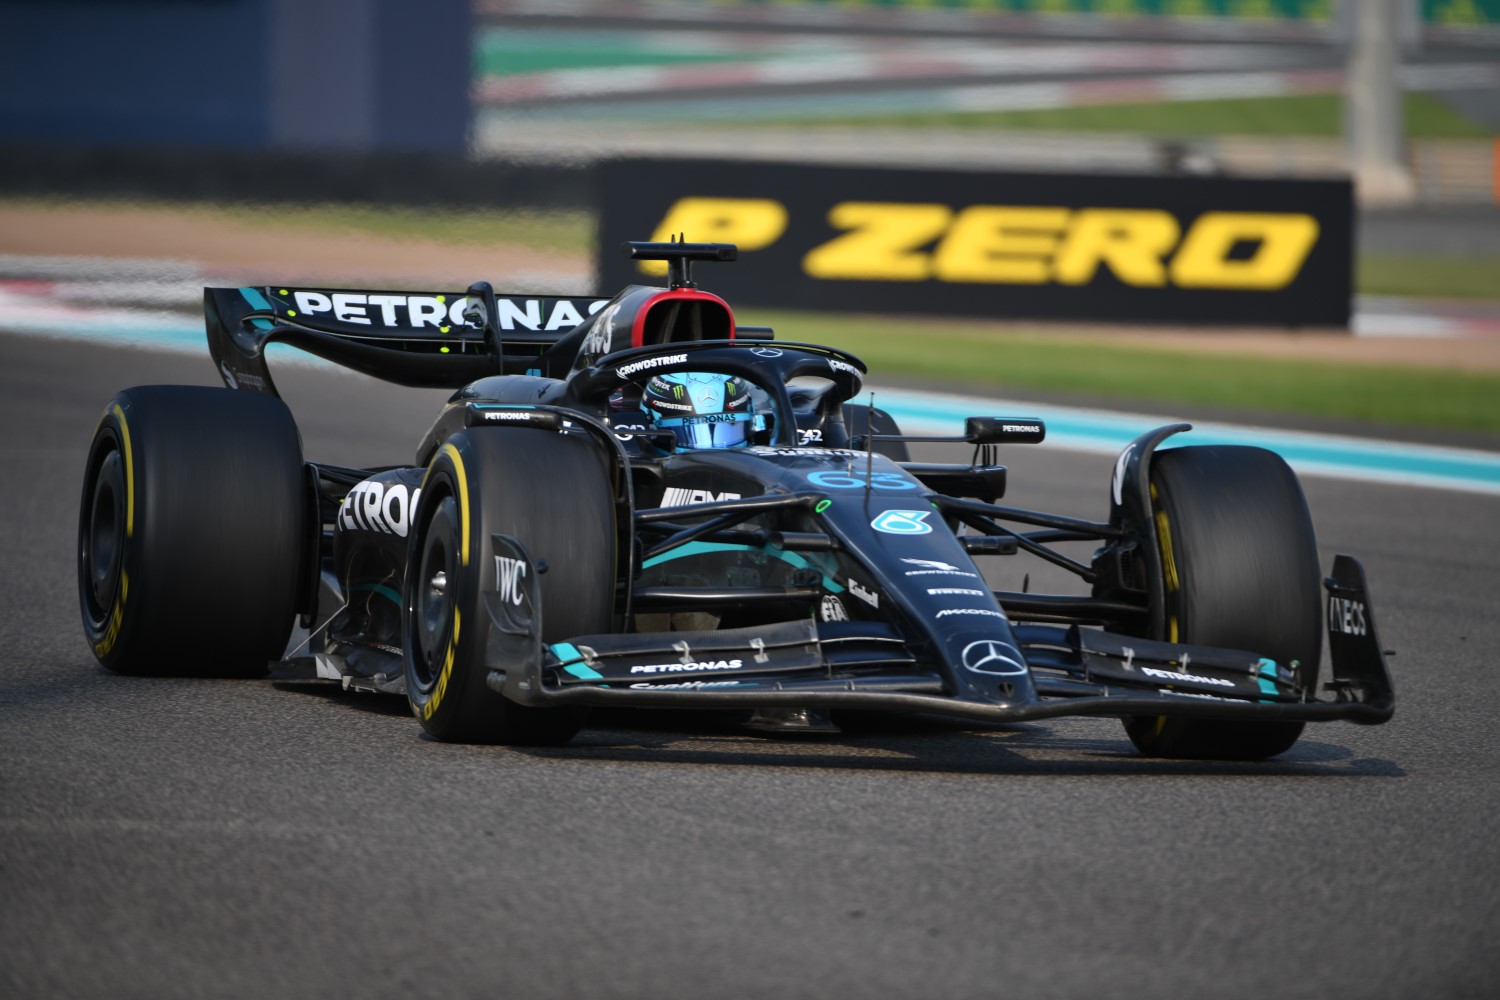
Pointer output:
x,y
449,339
424,339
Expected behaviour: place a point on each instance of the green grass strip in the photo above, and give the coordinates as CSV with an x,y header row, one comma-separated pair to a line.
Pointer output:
x,y
499,52
559,230
1431,277
972,356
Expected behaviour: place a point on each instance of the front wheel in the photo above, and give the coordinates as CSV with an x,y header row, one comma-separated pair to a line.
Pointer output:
x,y
1240,563
552,493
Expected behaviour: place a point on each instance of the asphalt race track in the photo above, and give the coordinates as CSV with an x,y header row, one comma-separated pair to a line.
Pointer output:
x,y
184,838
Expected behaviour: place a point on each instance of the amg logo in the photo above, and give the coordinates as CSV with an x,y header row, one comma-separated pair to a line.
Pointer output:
x,y
1346,616
1172,675
677,496
373,506
436,311
508,576
625,371
684,668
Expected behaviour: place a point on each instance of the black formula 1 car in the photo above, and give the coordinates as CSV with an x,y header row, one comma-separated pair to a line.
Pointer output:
x,y
558,543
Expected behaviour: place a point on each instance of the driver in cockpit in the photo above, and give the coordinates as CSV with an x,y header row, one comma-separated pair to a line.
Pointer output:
x,y
702,409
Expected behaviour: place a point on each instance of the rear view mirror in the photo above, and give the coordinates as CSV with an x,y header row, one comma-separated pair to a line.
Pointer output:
x,y
1005,430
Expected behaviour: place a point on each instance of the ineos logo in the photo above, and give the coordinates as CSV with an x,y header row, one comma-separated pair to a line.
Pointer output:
x,y
991,656
766,352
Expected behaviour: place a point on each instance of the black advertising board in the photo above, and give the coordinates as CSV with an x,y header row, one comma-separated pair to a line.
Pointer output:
x,y
1208,250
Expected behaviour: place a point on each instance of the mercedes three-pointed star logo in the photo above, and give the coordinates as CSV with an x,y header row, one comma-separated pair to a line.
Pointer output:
x,y
991,656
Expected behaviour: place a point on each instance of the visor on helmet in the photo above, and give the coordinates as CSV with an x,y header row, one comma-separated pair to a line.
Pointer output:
x,y
702,409
720,430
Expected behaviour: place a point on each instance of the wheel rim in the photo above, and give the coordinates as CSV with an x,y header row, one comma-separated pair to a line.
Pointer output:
x,y
102,547
431,594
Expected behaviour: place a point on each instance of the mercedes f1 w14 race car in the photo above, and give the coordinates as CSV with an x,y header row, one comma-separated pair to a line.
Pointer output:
x,y
635,502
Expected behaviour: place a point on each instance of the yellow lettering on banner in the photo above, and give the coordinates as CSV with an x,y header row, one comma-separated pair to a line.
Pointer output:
x,y
883,242
1001,243
1284,241
748,223
1132,242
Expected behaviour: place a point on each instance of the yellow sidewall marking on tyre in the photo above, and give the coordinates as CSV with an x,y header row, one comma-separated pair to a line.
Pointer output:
x,y
116,620
463,498
441,687
1168,563
129,473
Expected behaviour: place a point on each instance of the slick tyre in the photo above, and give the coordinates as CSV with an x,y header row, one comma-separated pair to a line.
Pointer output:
x,y
552,493
191,531
860,419
1241,571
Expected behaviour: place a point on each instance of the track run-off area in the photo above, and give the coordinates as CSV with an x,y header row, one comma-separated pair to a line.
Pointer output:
x,y
168,837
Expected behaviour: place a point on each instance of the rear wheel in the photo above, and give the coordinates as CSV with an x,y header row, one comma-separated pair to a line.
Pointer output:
x,y
552,493
190,532
1241,571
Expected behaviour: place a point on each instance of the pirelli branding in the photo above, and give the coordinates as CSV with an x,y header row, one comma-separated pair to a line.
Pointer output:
x,y
1125,249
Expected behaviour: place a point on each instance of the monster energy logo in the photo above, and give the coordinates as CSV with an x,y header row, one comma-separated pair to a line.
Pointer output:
x,y
677,391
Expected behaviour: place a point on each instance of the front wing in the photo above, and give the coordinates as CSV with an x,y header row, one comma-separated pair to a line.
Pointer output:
x,y
868,665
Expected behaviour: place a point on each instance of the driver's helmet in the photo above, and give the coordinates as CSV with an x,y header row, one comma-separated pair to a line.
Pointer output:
x,y
701,409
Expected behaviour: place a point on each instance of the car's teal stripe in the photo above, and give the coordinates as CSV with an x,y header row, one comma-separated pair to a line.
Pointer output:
x,y
258,301
566,651
381,589
1267,676
700,548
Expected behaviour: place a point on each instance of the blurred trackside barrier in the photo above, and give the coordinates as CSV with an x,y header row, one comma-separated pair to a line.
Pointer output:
x,y
1436,11
52,169
1308,20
